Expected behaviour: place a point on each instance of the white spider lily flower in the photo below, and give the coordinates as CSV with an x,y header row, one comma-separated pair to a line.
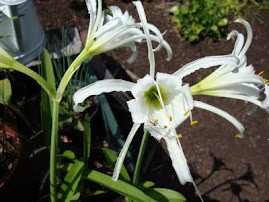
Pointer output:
x,y
240,81
160,104
117,30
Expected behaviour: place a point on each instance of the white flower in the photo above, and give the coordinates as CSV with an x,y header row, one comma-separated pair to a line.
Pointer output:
x,y
119,30
240,81
161,104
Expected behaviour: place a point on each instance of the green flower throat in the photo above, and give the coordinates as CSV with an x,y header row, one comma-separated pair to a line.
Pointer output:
x,y
153,98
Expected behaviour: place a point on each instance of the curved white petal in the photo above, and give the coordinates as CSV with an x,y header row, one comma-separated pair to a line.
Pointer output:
x,y
123,152
239,42
249,36
142,85
206,62
221,113
143,19
265,102
104,86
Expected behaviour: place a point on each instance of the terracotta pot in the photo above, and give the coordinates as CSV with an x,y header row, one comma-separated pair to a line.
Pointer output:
x,y
17,141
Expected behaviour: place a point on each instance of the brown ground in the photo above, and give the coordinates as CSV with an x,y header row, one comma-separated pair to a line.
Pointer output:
x,y
225,168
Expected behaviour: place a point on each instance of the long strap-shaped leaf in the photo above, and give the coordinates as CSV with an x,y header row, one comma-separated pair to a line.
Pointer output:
x,y
118,186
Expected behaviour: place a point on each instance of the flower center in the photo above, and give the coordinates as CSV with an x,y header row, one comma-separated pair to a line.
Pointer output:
x,y
153,97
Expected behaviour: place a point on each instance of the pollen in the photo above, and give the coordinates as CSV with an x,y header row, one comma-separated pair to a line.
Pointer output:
x,y
239,135
180,135
170,118
155,120
187,112
164,126
261,73
194,122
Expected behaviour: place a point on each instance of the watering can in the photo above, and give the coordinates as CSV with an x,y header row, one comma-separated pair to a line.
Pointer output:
x,y
25,37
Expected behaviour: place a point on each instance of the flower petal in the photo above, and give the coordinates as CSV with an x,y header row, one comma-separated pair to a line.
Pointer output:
x,y
138,115
143,19
206,62
178,159
104,86
123,152
221,113
142,85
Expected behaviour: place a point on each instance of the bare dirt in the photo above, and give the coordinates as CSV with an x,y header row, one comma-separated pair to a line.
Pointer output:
x,y
225,168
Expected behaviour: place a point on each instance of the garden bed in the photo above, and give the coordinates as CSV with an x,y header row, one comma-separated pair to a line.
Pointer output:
x,y
225,168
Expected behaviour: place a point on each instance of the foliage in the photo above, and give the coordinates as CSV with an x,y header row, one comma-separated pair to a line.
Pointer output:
x,y
208,19
201,19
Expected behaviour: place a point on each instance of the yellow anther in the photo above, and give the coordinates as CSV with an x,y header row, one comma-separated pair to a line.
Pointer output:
x,y
261,73
170,118
239,135
164,126
180,135
194,122
155,120
187,112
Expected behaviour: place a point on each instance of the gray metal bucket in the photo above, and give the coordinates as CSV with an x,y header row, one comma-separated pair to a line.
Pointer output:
x,y
25,34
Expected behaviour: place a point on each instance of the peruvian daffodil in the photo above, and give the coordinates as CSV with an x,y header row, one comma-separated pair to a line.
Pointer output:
x,y
161,103
239,82
118,29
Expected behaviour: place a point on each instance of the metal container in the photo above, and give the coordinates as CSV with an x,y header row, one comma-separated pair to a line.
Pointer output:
x,y
25,34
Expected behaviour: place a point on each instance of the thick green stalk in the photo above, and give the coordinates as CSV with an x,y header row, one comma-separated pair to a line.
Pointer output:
x,y
54,151
69,73
140,157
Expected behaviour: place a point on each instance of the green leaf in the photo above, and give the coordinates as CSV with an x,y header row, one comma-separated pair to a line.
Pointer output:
x,y
46,103
164,195
69,155
223,22
118,186
86,140
5,91
111,159
70,183
145,185
97,192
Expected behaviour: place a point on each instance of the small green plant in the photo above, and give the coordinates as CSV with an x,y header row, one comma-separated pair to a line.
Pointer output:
x,y
201,19
208,19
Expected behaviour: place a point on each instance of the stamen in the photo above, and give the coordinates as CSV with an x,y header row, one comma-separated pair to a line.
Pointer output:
x,y
180,135
170,118
164,126
261,73
155,120
194,122
153,123
187,112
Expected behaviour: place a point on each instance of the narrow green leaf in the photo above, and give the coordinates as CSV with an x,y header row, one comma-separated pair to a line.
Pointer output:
x,y
111,159
164,195
118,186
145,185
70,183
5,91
97,192
46,103
86,140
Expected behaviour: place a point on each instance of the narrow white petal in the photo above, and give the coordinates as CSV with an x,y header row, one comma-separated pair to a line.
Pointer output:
x,y
142,85
239,42
103,86
143,19
249,36
221,113
178,160
206,62
188,96
123,152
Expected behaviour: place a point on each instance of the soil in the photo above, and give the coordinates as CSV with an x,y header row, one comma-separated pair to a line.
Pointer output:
x,y
225,168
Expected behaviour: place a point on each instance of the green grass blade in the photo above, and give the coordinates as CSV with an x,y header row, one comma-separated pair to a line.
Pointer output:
x,y
87,140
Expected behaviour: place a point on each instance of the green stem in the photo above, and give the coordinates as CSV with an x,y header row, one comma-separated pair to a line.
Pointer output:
x,y
140,157
69,73
54,151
